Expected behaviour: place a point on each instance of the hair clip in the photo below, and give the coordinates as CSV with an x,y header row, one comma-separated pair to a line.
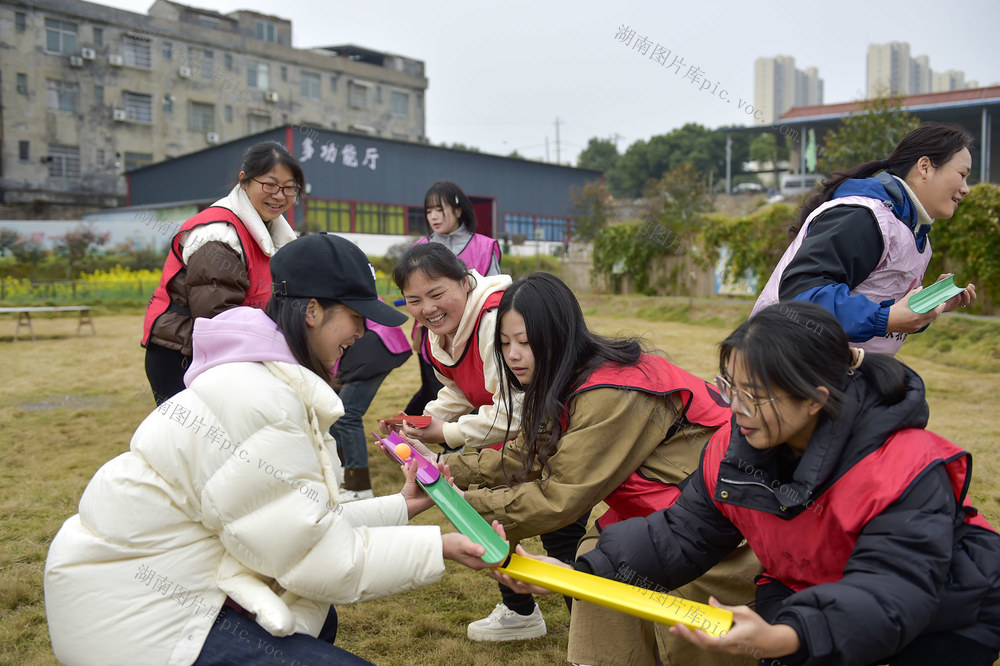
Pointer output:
x,y
456,199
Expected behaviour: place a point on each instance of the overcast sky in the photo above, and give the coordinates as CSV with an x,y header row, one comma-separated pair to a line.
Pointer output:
x,y
501,73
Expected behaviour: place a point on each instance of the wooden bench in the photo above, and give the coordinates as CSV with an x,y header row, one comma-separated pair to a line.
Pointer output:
x,y
24,317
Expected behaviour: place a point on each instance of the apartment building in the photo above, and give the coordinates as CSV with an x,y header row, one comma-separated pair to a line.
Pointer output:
x,y
90,92
779,86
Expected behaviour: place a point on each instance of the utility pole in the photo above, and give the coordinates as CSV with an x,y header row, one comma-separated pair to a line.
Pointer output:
x,y
547,149
729,163
557,140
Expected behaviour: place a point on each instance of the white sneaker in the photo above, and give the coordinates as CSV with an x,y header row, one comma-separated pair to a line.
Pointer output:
x,y
354,495
503,624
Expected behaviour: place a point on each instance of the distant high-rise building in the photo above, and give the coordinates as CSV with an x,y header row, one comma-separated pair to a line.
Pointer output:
x,y
892,70
778,86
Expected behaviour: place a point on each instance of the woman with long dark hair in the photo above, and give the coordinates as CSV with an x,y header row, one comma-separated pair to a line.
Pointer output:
x,y
871,550
602,420
218,260
861,247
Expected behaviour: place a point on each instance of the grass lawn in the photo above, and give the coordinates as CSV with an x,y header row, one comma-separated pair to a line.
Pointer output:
x,y
68,404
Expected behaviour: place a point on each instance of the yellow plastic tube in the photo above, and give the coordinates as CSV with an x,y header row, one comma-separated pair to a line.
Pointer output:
x,y
620,596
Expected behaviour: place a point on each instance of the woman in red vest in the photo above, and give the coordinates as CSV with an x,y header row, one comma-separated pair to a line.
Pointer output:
x,y
451,221
602,421
220,259
860,517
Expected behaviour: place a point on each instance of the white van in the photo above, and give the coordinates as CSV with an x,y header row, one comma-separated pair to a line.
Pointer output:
x,y
799,183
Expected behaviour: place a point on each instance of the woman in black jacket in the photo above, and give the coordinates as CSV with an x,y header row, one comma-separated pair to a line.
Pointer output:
x,y
871,551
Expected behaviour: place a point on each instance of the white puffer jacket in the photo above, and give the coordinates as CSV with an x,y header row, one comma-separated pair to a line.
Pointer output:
x,y
230,488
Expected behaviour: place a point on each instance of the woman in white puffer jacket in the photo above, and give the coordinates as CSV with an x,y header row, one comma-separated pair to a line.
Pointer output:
x,y
218,537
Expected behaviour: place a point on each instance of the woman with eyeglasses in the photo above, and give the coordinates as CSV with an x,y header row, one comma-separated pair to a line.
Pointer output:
x,y
872,553
602,420
219,259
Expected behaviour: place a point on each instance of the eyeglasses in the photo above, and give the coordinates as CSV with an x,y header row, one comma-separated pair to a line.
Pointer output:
x,y
271,188
748,404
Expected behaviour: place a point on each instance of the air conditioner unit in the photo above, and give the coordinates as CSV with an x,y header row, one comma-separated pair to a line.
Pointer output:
x,y
118,114
271,96
212,137
184,72
75,61
116,59
88,54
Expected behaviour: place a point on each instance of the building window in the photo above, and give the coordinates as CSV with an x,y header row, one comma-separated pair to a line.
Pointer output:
x,y
378,94
60,36
333,83
551,228
229,113
258,122
168,50
328,215
310,85
266,31
23,152
201,118
400,103
136,52
379,219
135,160
208,22
400,137
99,95
61,95
207,64
64,161
98,36
99,157
20,21
523,225
284,73
22,83
138,107
257,75
357,96
227,60
168,104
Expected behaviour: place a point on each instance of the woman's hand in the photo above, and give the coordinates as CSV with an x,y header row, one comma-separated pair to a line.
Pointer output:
x,y
514,584
416,499
460,548
904,320
961,300
750,635
432,434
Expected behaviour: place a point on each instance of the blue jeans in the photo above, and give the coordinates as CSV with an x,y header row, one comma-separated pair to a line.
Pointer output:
x,y
349,429
237,639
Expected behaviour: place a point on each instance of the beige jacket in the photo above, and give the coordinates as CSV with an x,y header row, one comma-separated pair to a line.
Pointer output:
x,y
490,424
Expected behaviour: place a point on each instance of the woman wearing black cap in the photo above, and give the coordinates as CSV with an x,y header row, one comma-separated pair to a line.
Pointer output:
x,y
219,536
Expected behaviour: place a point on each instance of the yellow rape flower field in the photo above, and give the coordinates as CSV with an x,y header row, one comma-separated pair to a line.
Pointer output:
x,y
68,404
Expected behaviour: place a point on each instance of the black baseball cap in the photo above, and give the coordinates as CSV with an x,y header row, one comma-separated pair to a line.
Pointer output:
x,y
327,266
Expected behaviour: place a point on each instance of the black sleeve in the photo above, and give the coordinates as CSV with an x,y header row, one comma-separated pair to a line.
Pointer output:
x,y
890,588
669,547
844,245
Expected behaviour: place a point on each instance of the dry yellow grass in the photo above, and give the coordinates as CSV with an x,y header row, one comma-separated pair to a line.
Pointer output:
x,y
68,404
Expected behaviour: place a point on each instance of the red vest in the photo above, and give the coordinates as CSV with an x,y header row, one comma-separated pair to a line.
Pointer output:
x,y
813,547
640,496
467,372
257,268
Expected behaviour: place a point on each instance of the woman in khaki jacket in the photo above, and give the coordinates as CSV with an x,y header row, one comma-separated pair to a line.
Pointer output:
x,y
602,421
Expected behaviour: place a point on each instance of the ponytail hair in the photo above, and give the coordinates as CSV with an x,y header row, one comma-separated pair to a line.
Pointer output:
x,y
799,346
937,141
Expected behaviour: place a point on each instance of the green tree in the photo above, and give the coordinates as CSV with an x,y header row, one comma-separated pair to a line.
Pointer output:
x,y
589,209
8,238
600,154
871,134
765,148
753,244
679,202
77,245
27,251
969,245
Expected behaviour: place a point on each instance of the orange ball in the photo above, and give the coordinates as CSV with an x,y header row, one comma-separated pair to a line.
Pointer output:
x,y
403,451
